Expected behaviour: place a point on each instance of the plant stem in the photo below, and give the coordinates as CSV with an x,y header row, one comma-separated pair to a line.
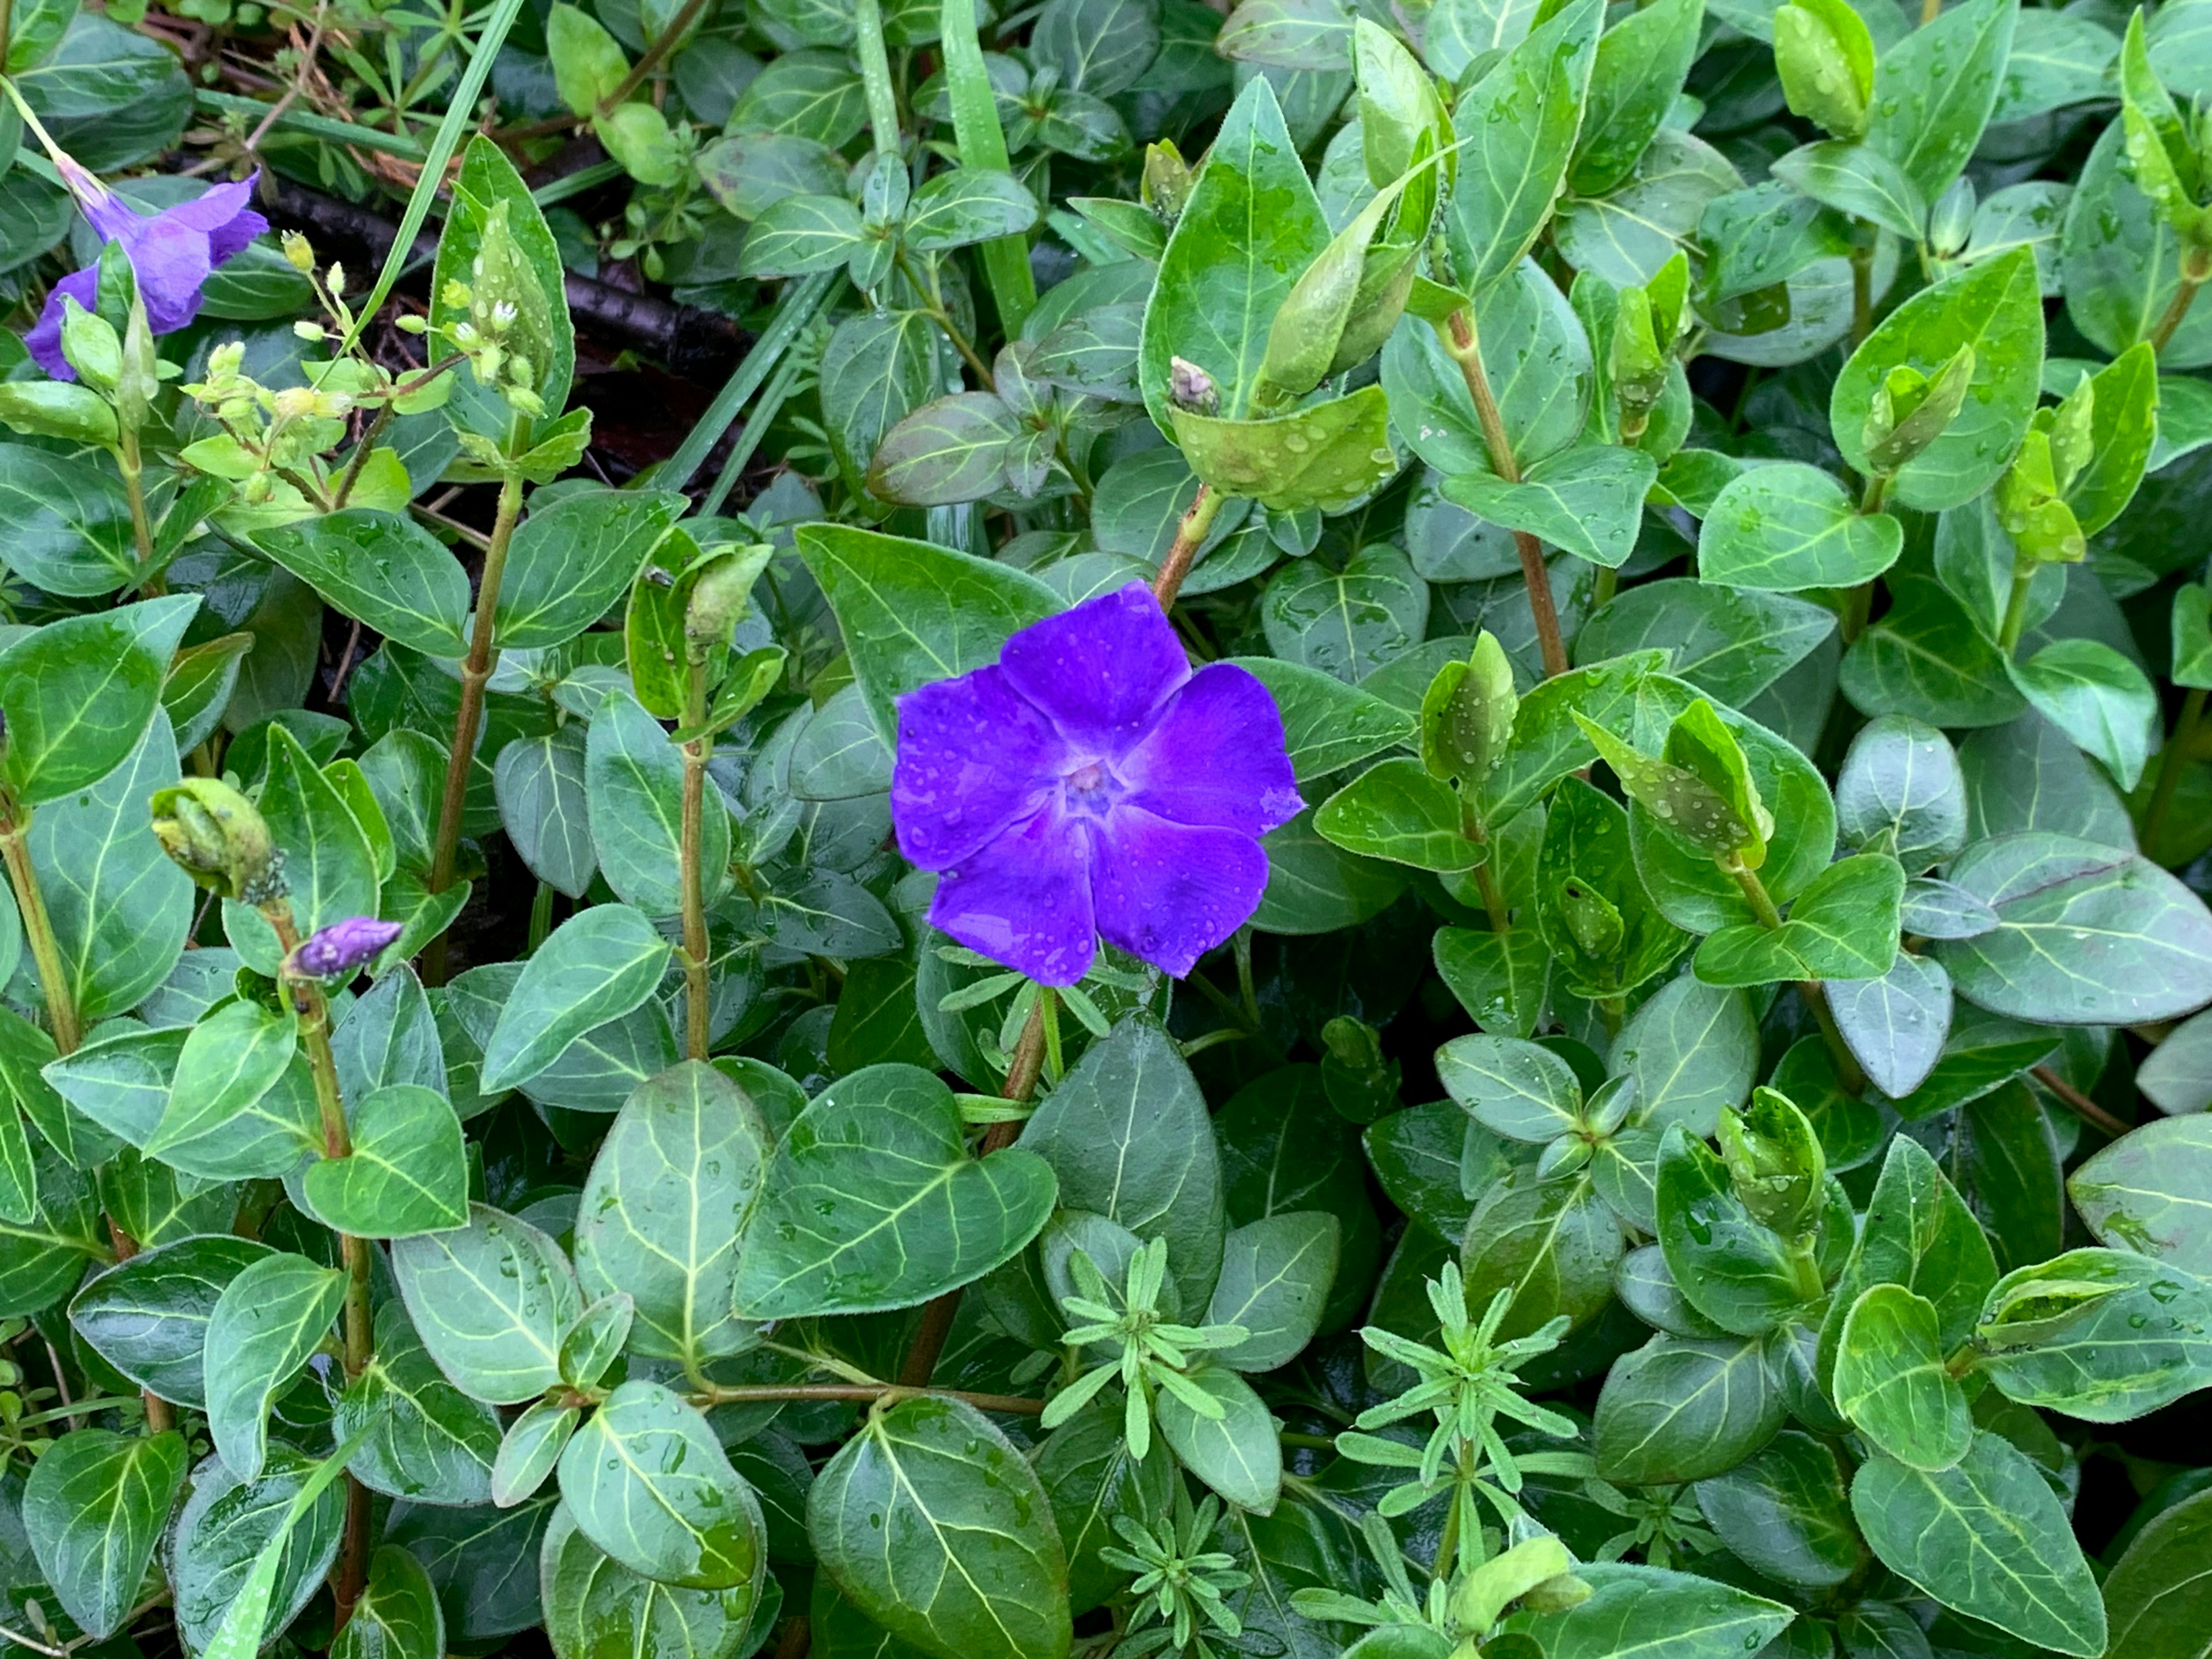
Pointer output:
x,y
1486,878
142,527
352,476
658,48
1848,1070
717,1394
1466,349
2176,309
2079,1104
1022,1074
1863,289
541,917
38,926
1930,11
697,1004
876,75
2016,616
1190,535
1876,492
2170,765
1608,583
314,1013
1858,607
475,670
1807,1266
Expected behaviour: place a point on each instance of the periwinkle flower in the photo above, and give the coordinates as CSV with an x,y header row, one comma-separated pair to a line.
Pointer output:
x,y
172,253
1088,782
343,947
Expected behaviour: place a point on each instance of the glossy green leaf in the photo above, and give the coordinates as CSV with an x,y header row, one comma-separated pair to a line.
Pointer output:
x,y
1891,1381
407,1173
93,1506
596,966
267,1321
645,1480
489,1302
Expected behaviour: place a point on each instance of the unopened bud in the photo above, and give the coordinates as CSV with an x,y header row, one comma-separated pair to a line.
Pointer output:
x,y
343,947
1952,219
298,252
1825,57
308,330
296,403
220,838
92,347
1191,387
720,593
1775,1161
1911,411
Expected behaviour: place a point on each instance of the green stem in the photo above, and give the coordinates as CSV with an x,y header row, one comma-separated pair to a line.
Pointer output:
x,y
659,48
1806,1264
475,671
142,527
314,1013
541,917
876,75
1486,878
1190,535
718,1394
697,1004
1848,1073
1464,346
2176,309
1608,583
1862,292
932,304
352,476
1858,608
38,926
2170,763
2016,616
1876,493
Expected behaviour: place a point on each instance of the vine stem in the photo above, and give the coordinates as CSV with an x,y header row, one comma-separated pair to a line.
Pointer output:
x,y
2170,765
2016,616
134,489
1862,286
313,1010
718,1394
1848,1073
2176,309
1466,349
1190,535
1022,1073
476,670
38,926
696,1009
2079,1103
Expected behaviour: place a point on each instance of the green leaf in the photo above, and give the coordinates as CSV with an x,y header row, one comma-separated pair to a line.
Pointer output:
x,y
1529,109
229,1062
1346,622
222,1528
1858,180
1685,1408
408,1171
382,568
594,968
1786,1512
77,694
2154,1595
1395,811
799,235
427,1440
1789,527
967,206
1729,642
911,612
72,531
1738,1274
667,1197
2139,1341
1523,1090
2151,1191
489,1302
2086,934
633,785
1996,308
1895,1025
1934,90
1127,1134
647,1481
1553,1243
872,1202
2097,697
1657,1614
1843,927
1237,1452
1589,499
950,451
1641,63
980,1573
1251,226
269,1320
596,1607
1693,1050
1327,726
1900,786
148,1316
1891,1381
483,1562
571,563
1500,979
1988,1538
487,182
544,807
397,1616
94,1505
1330,455
1275,1278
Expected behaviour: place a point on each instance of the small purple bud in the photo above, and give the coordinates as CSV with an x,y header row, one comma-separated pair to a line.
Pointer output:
x,y
1191,387
343,947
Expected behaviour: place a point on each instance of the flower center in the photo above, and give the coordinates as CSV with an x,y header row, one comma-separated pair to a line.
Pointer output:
x,y
1091,787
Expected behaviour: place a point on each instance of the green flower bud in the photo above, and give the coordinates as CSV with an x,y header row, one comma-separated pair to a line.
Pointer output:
x,y
1775,1161
720,592
1167,181
1467,716
220,838
1824,56
1639,362
92,347
299,252
1952,220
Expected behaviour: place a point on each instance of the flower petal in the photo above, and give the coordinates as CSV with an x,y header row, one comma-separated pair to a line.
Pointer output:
x,y
1102,670
224,215
170,260
1024,900
44,340
1170,892
1215,756
972,758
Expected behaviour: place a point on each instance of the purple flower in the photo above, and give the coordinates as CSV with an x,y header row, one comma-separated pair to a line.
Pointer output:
x,y
342,947
172,253
1090,783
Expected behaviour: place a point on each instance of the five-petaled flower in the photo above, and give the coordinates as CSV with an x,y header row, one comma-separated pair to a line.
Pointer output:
x,y
172,254
1088,782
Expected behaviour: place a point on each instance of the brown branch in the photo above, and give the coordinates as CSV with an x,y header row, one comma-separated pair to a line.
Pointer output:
x,y
2079,1104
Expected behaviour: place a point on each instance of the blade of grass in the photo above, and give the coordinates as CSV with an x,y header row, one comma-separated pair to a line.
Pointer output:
x,y
982,144
308,123
800,301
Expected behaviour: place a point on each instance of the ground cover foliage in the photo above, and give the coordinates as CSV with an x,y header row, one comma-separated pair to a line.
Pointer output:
x,y
1604,606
